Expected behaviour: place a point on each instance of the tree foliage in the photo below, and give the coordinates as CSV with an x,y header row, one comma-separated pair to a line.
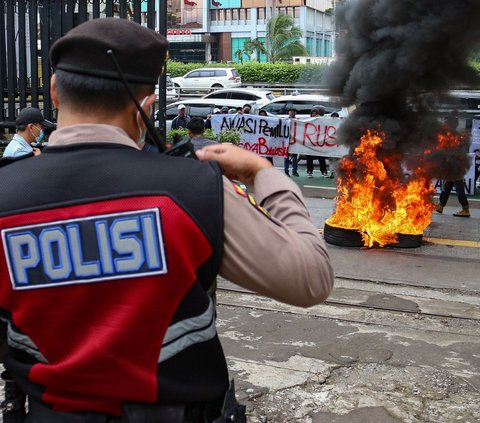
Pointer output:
x,y
282,40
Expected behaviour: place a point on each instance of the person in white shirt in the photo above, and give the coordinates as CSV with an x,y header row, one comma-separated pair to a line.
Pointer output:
x,y
30,126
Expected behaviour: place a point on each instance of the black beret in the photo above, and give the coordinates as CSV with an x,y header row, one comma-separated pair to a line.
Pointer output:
x,y
140,51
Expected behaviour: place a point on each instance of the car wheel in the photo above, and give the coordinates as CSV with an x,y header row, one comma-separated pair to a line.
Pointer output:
x,y
215,87
178,90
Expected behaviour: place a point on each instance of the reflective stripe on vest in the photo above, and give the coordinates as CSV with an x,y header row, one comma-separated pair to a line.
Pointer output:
x,y
188,332
22,342
178,337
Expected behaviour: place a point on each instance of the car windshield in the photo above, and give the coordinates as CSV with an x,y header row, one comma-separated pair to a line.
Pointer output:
x,y
329,106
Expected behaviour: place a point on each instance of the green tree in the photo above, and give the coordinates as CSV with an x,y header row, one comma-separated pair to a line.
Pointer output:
x,y
250,46
239,55
283,39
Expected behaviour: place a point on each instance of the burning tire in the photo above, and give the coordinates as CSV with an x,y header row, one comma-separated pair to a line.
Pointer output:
x,y
342,237
351,238
407,241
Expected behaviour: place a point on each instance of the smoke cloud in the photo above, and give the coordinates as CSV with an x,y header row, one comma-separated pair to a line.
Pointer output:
x,y
393,58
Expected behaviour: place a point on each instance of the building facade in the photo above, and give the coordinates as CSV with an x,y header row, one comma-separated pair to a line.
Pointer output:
x,y
215,30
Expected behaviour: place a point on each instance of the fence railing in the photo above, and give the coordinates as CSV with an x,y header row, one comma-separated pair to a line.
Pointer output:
x,y
27,30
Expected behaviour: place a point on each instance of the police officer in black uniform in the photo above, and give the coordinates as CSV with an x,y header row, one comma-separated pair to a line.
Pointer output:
x,y
108,260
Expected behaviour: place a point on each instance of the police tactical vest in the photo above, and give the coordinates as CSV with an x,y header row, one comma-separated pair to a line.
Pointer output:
x,y
108,260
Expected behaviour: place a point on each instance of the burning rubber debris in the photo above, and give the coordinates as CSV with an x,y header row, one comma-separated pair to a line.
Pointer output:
x,y
394,57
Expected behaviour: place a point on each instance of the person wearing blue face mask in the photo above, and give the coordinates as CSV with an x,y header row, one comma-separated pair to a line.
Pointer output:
x,y
30,125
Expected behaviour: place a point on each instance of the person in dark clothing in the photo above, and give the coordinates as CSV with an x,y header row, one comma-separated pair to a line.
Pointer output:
x,y
292,158
477,167
451,122
196,129
264,113
316,112
208,120
462,197
247,108
182,119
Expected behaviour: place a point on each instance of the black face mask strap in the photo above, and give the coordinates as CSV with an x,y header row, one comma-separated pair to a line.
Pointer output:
x,y
148,123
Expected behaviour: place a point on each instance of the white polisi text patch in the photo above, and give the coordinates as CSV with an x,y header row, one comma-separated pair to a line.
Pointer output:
x,y
91,249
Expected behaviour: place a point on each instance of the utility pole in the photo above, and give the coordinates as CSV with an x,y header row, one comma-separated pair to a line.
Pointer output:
x,y
268,16
161,24
334,27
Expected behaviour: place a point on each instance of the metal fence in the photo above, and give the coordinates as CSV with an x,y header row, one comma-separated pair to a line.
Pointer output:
x,y
27,30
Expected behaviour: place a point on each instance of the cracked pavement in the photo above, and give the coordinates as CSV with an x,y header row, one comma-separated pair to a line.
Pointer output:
x,y
396,342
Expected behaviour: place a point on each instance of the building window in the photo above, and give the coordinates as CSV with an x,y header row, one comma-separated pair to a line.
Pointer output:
x,y
261,13
328,47
249,14
320,51
310,46
235,14
189,52
237,45
228,14
242,14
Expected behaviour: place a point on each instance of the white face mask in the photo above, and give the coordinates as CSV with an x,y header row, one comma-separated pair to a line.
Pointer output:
x,y
142,133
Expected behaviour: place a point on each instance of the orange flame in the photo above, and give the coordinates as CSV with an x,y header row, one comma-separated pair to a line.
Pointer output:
x,y
375,204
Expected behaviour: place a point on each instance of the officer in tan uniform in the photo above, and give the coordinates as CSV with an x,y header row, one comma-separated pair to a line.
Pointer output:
x,y
109,259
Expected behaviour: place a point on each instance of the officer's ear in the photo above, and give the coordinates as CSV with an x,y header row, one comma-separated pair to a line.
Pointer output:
x,y
53,90
147,105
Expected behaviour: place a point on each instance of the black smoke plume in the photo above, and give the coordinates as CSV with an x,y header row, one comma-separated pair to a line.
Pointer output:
x,y
394,57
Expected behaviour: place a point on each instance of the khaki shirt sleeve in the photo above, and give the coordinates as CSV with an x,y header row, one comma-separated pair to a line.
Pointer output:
x,y
282,256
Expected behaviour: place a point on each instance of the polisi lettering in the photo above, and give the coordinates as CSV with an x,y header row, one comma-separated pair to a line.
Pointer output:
x,y
97,248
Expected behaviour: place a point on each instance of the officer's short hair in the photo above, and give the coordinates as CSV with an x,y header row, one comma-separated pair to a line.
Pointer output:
x,y
196,125
90,91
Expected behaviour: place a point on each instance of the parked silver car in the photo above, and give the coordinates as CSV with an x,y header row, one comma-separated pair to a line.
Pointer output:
x,y
207,79
247,95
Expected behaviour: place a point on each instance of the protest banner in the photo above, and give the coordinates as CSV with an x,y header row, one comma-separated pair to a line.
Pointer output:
x,y
263,135
316,137
476,131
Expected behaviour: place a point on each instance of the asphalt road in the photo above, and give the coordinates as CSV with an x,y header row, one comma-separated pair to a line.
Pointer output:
x,y
397,341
